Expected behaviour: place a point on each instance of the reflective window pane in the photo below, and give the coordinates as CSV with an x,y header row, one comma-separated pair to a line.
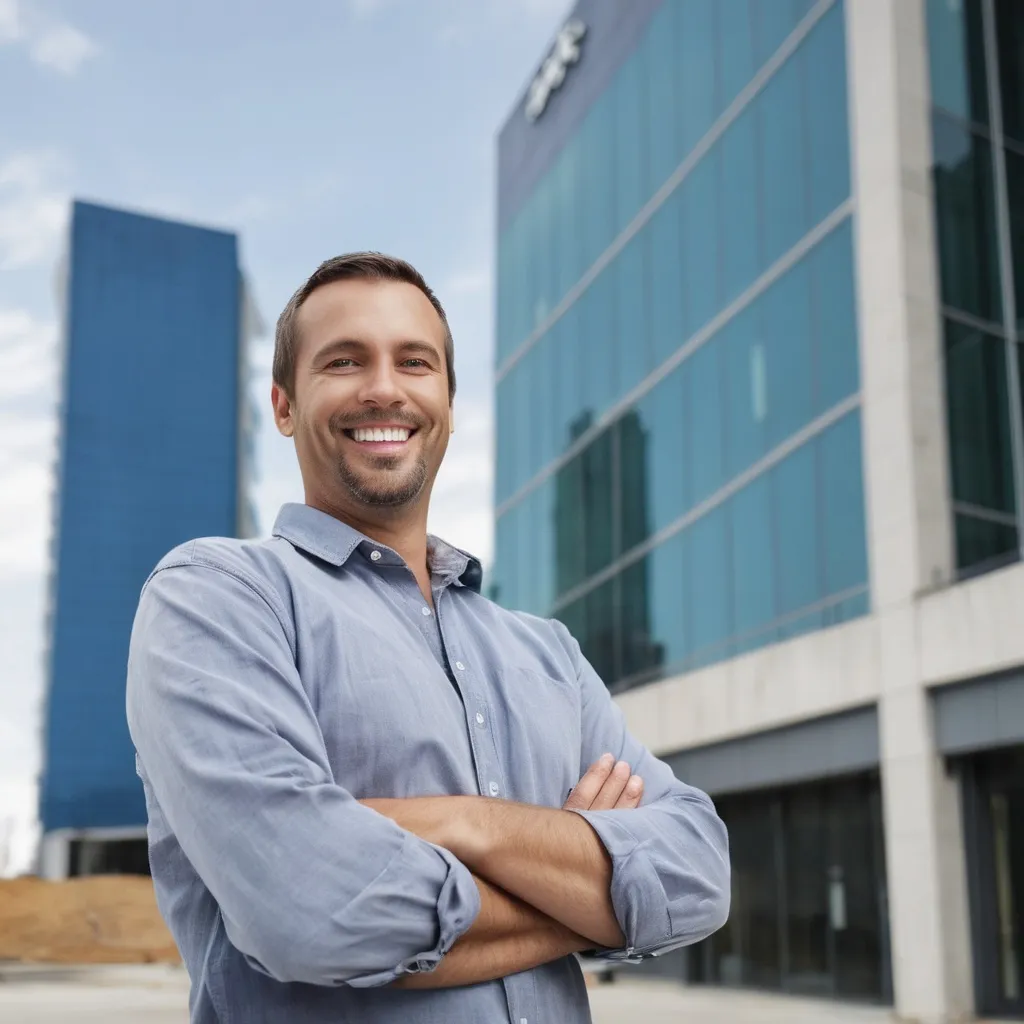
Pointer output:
x,y
701,241
842,496
1015,198
666,279
783,186
597,326
695,62
965,219
823,55
597,167
595,511
795,513
506,540
658,58
642,651
746,385
774,21
630,127
835,318
739,206
600,641
735,46
667,574
569,538
709,586
981,542
704,406
957,56
568,374
631,316
978,409
753,568
786,327
1009,31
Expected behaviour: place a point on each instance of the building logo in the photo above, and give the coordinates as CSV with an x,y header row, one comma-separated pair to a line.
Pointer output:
x,y
552,72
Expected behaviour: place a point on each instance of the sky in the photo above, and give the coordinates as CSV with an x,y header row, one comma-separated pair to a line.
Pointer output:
x,y
311,129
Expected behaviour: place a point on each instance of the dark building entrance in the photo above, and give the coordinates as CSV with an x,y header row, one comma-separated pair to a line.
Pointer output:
x,y
809,913
993,788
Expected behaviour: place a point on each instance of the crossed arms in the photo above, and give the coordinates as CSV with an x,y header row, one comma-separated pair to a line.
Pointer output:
x,y
315,886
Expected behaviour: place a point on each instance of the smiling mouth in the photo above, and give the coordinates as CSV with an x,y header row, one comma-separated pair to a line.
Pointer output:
x,y
380,435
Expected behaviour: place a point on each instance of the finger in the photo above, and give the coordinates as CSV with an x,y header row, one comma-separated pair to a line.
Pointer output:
x,y
590,785
612,789
632,794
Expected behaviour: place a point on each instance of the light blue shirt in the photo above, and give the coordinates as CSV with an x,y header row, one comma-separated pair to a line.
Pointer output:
x,y
273,683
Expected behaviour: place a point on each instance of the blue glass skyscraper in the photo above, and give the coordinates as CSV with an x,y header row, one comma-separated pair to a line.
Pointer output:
x,y
152,451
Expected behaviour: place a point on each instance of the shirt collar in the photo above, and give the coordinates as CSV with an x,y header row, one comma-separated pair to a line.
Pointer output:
x,y
335,542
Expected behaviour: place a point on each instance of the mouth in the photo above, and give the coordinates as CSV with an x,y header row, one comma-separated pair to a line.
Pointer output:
x,y
381,439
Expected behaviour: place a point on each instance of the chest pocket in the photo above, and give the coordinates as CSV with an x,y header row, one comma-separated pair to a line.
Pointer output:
x,y
537,735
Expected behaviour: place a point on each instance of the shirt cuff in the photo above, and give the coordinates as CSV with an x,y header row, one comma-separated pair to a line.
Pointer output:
x,y
458,904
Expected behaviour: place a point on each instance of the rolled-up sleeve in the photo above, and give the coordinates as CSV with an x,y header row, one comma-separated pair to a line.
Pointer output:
x,y
312,886
670,856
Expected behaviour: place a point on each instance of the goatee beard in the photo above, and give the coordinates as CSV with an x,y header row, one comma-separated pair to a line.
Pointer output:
x,y
401,492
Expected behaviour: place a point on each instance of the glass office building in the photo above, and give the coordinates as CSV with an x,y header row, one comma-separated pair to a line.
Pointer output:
x,y
759,445
154,449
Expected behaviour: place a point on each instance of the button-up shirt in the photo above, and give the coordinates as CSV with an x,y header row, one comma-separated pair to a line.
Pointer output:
x,y
273,684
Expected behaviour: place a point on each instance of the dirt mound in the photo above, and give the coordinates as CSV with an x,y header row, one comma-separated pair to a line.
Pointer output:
x,y
102,919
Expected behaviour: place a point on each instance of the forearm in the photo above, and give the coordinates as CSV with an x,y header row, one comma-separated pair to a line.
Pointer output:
x,y
551,859
507,937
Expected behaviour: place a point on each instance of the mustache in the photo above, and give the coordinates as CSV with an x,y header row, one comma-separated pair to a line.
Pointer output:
x,y
342,421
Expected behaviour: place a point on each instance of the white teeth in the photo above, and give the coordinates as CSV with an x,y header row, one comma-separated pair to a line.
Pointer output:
x,y
381,434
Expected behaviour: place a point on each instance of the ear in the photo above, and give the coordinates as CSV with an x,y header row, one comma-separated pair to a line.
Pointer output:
x,y
282,410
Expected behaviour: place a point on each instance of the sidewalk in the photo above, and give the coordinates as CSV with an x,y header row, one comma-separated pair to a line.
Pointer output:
x,y
159,995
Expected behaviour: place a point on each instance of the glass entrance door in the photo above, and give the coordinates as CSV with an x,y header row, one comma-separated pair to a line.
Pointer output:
x,y
994,819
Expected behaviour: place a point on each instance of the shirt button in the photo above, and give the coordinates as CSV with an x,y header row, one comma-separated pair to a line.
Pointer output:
x,y
460,666
479,718
426,610
375,556
492,788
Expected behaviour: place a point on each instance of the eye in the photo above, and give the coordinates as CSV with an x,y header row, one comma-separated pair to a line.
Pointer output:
x,y
342,362
415,363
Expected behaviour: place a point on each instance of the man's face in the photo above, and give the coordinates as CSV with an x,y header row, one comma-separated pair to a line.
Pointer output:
x,y
369,409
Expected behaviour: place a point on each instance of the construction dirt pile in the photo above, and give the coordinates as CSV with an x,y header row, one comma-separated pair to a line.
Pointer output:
x,y
101,919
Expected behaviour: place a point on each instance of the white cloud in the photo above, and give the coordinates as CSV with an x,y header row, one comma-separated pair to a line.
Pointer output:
x,y
63,48
51,42
33,208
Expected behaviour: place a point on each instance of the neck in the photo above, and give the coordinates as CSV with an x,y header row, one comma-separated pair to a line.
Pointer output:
x,y
403,530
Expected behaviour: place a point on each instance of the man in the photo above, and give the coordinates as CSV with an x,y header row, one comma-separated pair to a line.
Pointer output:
x,y
355,765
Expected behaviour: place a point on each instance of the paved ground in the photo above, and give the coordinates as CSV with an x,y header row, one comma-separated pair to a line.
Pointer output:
x,y
151,995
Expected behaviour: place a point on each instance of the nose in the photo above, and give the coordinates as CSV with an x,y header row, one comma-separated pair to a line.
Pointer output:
x,y
381,386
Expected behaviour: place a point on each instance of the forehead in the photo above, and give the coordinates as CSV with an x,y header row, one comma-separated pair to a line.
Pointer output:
x,y
367,310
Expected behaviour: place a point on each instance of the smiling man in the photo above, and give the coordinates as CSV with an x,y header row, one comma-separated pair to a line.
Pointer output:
x,y
355,765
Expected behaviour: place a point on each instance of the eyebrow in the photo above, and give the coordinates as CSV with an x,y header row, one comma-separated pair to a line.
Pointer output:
x,y
349,344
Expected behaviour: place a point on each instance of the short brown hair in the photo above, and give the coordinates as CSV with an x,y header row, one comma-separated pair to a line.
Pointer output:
x,y
352,266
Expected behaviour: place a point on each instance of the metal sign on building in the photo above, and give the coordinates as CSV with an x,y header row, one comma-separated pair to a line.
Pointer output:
x,y
566,51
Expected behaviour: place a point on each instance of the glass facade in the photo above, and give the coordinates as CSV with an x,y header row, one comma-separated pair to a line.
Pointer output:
x,y
150,446
808,893
978,172
678,433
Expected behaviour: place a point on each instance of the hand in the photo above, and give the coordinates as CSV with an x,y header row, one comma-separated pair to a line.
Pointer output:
x,y
606,786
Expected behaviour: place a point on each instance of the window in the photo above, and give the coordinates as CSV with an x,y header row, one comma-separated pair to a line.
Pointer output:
x,y
695,63
835,318
636,477
536,550
596,509
979,428
506,542
735,47
699,197
842,491
753,568
774,22
795,514
1010,44
704,404
739,205
786,325
709,596
657,56
541,396
1015,201
569,534
597,346
782,186
597,178
566,263
746,386
956,51
965,219
629,149
641,652
823,56
665,276
569,349
631,309
600,643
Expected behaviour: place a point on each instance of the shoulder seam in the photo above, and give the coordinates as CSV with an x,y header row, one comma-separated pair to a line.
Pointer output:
x,y
239,576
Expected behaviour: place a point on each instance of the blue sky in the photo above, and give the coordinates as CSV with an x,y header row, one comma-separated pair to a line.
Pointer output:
x,y
310,128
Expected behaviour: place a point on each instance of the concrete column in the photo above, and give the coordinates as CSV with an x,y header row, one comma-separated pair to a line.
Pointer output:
x,y
907,493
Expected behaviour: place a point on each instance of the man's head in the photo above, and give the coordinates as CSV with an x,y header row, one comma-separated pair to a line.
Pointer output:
x,y
364,380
